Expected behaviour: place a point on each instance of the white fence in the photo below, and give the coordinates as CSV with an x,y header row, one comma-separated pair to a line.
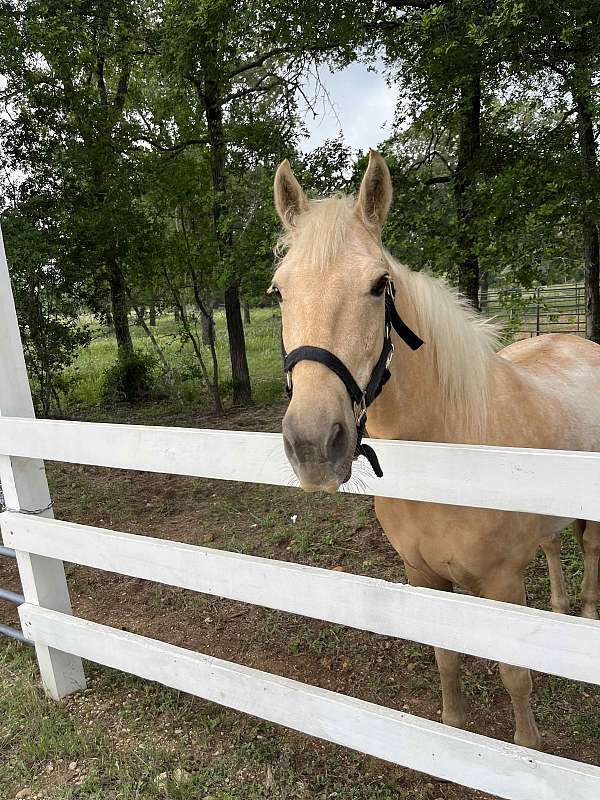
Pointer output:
x,y
558,483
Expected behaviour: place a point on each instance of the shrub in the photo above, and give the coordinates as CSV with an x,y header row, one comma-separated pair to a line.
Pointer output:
x,y
130,378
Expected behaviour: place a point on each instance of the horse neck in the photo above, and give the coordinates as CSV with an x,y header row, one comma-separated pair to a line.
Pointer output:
x,y
412,405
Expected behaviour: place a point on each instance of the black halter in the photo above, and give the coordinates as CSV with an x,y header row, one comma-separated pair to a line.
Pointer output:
x,y
361,400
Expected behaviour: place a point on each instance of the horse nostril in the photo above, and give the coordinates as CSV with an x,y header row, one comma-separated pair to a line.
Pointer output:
x,y
337,443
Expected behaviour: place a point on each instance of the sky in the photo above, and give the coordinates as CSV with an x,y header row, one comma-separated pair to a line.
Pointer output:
x,y
359,103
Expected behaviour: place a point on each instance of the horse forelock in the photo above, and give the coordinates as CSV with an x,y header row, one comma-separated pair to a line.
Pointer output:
x,y
321,233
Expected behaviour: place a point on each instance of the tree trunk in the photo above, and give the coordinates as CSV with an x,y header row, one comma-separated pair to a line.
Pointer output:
x,y
484,290
589,223
182,316
246,309
208,326
240,374
208,330
152,314
466,169
120,306
591,255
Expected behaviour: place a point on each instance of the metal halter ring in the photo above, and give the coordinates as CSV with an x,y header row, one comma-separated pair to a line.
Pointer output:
x,y
390,355
360,410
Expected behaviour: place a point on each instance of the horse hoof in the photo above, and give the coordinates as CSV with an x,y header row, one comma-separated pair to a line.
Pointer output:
x,y
532,740
454,720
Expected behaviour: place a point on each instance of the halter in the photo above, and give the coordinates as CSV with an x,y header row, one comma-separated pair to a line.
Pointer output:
x,y
361,399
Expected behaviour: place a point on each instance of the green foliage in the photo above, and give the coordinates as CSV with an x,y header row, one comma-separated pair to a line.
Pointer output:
x,y
141,141
48,295
130,378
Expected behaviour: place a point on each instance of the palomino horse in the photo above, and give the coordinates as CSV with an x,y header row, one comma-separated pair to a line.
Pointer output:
x,y
333,283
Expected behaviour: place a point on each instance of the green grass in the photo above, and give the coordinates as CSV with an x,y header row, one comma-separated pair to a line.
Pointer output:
x,y
85,378
125,739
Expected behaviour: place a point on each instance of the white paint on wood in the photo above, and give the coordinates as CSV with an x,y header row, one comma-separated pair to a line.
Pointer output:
x,y
554,482
541,640
467,758
24,486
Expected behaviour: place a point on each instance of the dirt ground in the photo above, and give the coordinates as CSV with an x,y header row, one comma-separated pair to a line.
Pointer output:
x,y
338,532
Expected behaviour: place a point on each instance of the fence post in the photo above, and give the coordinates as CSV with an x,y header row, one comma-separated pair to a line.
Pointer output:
x,y
25,488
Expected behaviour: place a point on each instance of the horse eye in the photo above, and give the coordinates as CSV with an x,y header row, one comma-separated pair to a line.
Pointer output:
x,y
378,287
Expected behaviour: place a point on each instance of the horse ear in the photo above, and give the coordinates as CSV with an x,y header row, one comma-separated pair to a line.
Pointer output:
x,y
290,200
375,195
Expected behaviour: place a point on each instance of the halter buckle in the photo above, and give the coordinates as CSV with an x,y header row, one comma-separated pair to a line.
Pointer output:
x,y
360,410
288,381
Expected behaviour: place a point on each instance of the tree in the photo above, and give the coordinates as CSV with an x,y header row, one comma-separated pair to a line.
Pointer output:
x,y
228,63
436,52
559,43
48,294
70,87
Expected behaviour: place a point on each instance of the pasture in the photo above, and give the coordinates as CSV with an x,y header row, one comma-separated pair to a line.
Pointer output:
x,y
124,738
84,380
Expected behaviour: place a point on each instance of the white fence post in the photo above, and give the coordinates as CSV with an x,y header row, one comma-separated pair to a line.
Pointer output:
x,y
25,488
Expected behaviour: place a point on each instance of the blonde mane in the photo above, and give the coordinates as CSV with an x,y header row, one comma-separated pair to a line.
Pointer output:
x,y
459,342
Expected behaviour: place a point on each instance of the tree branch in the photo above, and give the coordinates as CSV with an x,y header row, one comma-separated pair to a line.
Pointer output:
x,y
438,179
424,5
176,148
257,62
122,86
568,113
101,83
259,86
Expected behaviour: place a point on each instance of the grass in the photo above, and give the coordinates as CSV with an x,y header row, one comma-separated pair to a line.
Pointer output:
x,y
86,377
160,744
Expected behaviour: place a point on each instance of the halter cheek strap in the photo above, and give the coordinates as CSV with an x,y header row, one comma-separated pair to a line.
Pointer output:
x,y
361,399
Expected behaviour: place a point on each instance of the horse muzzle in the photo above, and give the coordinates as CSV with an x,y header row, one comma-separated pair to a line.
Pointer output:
x,y
320,454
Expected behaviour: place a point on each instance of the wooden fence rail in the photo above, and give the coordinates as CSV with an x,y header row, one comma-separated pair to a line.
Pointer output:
x,y
487,628
467,758
553,482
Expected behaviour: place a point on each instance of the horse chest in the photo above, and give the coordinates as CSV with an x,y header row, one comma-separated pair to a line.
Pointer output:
x,y
460,545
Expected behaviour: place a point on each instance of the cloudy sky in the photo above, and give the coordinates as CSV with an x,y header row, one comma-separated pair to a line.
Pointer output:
x,y
359,103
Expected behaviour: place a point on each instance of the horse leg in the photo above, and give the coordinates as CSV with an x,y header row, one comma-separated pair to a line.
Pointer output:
x,y
589,539
559,598
448,662
516,680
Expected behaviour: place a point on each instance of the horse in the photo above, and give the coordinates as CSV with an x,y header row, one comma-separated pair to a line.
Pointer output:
x,y
334,279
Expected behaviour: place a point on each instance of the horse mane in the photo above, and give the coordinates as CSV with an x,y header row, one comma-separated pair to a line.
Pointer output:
x,y
458,341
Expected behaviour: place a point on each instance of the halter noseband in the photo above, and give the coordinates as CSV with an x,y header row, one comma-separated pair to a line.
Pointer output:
x,y
361,399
